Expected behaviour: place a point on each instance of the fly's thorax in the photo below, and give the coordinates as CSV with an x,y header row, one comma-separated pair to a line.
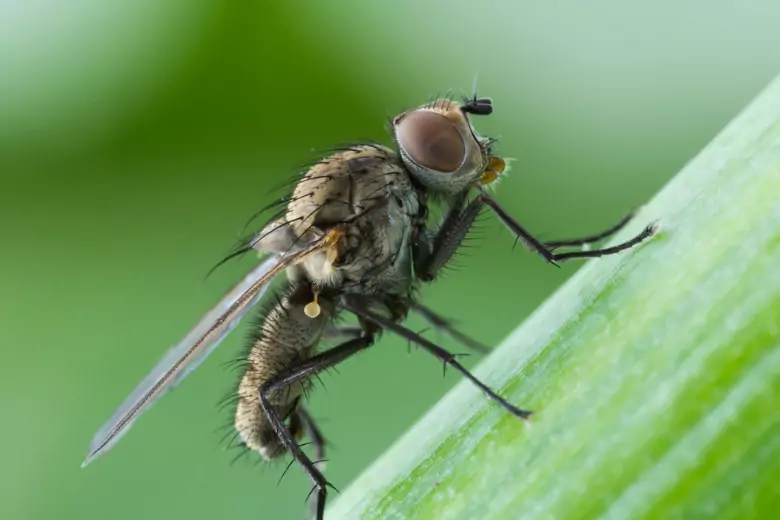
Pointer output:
x,y
343,185
379,257
283,338
368,189
331,192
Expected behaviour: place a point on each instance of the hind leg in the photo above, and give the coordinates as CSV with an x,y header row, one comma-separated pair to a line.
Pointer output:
x,y
303,424
292,376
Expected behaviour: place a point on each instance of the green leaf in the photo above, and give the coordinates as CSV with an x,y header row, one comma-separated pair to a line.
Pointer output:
x,y
654,374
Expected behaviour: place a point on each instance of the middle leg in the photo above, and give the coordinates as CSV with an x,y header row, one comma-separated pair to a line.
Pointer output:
x,y
443,324
441,354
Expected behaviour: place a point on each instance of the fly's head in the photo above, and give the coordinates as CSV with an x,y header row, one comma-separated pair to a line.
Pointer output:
x,y
440,148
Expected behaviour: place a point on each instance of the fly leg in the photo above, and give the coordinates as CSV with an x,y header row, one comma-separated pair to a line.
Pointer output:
x,y
302,423
312,431
545,249
441,354
459,220
304,370
592,239
443,324
342,332
431,254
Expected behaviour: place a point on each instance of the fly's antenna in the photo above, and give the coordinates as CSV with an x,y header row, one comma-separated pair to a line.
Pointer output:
x,y
476,105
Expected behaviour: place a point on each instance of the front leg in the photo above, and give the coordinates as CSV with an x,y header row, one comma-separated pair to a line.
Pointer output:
x,y
553,257
458,222
591,239
456,225
431,254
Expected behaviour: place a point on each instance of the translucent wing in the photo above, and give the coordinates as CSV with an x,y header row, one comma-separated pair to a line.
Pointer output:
x,y
184,357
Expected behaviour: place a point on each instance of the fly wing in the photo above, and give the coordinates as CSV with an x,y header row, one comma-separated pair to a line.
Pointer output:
x,y
201,341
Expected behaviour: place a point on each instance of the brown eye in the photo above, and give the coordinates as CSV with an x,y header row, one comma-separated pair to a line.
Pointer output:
x,y
431,140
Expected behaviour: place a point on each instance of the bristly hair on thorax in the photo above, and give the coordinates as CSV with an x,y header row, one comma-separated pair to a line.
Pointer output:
x,y
246,242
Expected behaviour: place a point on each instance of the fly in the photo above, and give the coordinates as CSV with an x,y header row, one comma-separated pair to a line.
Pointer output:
x,y
353,237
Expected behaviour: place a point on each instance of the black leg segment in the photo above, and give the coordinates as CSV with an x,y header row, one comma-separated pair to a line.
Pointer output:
x,y
304,370
443,324
341,332
456,226
595,253
303,424
459,220
313,432
591,239
429,256
441,354
546,249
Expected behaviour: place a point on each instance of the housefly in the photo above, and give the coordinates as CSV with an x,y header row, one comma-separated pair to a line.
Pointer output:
x,y
353,237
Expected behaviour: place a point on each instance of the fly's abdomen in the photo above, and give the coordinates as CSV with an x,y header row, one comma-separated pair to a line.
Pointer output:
x,y
284,337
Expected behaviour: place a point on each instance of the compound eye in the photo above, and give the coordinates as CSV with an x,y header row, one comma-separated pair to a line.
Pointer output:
x,y
431,141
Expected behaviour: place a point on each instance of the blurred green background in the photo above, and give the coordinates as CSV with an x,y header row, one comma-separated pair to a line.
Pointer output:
x,y
137,137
